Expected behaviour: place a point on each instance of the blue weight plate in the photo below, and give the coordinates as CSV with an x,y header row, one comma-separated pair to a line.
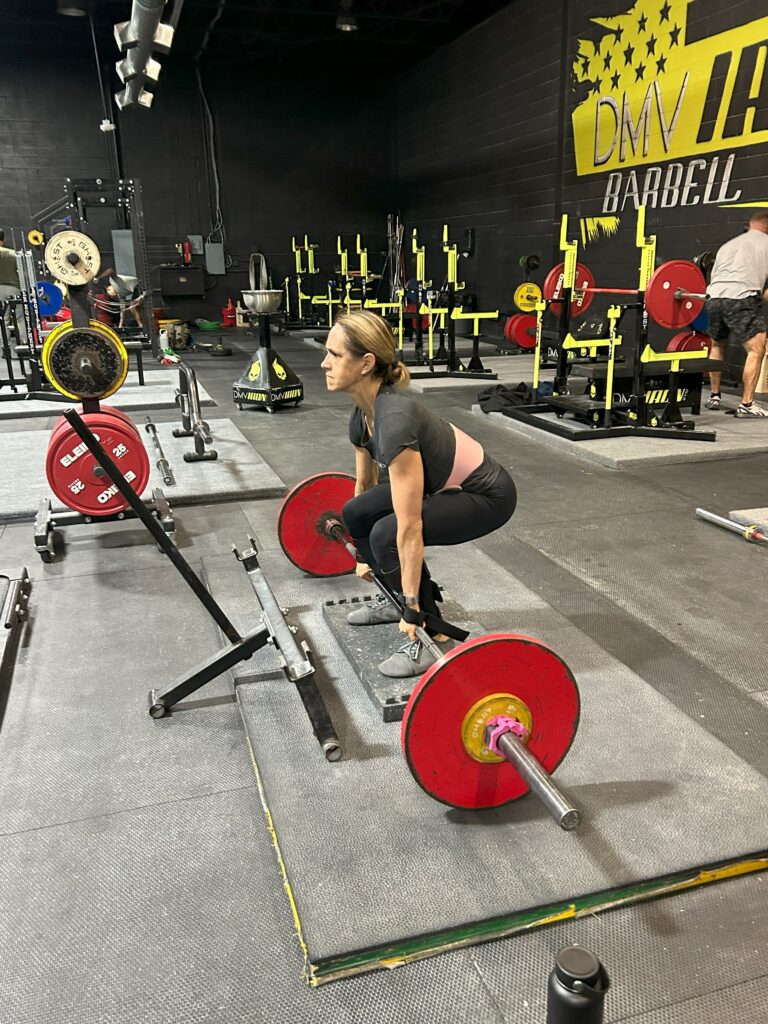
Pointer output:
x,y
701,322
49,298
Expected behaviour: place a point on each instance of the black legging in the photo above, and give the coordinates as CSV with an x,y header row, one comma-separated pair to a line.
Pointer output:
x,y
448,517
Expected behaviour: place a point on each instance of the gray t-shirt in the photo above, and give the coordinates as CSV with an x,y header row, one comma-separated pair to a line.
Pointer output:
x,y
741,267
401,421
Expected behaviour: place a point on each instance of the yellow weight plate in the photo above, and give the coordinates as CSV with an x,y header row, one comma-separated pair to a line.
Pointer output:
x,y
526,296
35,237
478,716
85,362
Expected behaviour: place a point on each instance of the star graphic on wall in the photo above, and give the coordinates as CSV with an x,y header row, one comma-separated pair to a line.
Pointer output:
x,y
643,21
596,85
618,32
639,72
661,64
628,53
615,80
607,62
673,35
651,44
664,12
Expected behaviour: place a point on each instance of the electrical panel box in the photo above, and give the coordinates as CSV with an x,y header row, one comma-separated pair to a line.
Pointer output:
x,y
122,247
214,258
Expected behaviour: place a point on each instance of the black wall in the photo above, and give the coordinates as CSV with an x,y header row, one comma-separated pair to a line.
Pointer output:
x,y
480,134
295,156
485,137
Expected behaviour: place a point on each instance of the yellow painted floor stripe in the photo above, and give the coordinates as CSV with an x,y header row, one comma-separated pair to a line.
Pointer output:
x,y
307,971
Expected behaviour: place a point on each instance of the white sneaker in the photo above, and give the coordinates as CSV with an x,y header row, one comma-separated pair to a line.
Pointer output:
x,y
753,409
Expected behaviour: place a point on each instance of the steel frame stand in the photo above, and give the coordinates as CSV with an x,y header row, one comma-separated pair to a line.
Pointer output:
x,y
273,630
454,367
47,521
124,196
192,422
13,613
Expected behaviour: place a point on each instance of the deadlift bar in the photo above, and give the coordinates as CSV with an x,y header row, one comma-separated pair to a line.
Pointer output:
x,y
507,741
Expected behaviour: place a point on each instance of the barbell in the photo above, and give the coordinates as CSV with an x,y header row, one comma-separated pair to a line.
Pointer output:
x,y
673,297
490,720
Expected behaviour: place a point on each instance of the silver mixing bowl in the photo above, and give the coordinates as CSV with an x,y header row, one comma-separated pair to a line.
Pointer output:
x,y
265,300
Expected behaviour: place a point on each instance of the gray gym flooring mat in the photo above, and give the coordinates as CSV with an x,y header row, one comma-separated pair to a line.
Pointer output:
x,y
158,393
734,438
238,473
647,550
417,877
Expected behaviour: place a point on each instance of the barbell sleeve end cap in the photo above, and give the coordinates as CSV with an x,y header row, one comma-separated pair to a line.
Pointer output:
x,y
571,820
157,708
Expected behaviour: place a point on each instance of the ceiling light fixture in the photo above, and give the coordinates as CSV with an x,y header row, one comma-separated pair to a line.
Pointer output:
x,y
346,21
72,8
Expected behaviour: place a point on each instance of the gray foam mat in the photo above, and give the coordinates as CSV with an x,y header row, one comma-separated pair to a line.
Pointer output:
x,y
734,438
650,551
83,675
155,394
180,907
239,472
655,788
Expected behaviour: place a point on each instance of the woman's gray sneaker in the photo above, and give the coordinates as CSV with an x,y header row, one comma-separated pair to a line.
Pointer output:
x,y
374,613
412,659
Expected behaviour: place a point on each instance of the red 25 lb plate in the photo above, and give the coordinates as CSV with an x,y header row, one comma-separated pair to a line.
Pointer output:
x,y
77,479
431,734
302,518
690,341
660,299
524,331
553,288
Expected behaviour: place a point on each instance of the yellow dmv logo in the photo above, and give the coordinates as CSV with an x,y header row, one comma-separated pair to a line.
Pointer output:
x,y
648,96
255,370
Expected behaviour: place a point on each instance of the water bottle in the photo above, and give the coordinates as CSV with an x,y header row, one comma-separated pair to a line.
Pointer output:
x,y
577,988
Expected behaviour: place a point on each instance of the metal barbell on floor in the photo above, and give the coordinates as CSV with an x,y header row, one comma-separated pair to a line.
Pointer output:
x,y
490,720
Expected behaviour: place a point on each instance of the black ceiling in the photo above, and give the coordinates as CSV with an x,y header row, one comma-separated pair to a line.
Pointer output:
x,y
390,32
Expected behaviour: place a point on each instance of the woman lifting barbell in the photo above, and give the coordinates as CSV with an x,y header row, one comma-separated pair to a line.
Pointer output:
x,y
420,481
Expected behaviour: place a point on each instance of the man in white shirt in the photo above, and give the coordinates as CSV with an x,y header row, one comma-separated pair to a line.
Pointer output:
x,y
737,287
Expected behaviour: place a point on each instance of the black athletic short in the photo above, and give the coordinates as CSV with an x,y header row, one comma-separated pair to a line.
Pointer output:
x,y
737,319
